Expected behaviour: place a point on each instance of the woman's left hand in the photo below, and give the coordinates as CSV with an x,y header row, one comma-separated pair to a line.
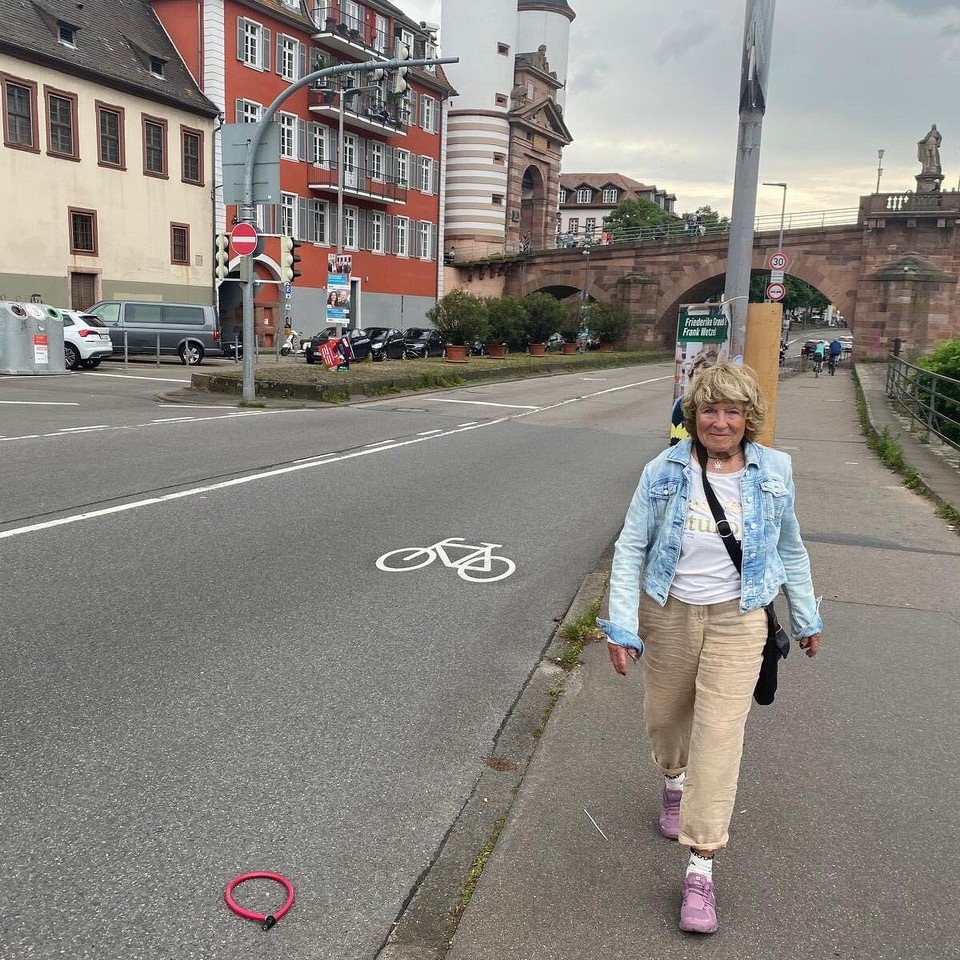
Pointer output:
x,y
810,645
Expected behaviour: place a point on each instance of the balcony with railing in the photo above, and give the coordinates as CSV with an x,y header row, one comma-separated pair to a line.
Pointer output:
x,y
363,183
342,30
363,111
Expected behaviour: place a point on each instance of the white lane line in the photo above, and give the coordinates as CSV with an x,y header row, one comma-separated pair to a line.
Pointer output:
x,y
429,433
469,423
41,403
93,426
281,471
177,419
485,403
130,376
379,443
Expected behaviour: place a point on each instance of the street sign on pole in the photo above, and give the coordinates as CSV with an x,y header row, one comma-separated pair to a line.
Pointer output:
x,y
245,239
778,261
776,291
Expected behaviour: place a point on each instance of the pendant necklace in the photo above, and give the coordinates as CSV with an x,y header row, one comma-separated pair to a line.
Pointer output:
x,y
718,462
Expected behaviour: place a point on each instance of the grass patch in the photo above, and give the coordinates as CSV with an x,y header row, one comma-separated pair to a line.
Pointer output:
x,y
578,633
475,872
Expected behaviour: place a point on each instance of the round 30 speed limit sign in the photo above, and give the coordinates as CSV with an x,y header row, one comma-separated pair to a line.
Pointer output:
x,y
777,261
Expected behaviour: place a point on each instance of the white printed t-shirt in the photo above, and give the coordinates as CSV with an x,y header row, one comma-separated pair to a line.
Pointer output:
x,y
705,573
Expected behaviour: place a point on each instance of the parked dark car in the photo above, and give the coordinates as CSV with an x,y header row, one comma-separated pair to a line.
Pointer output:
x,y
359,341
811,345
386,343
421,342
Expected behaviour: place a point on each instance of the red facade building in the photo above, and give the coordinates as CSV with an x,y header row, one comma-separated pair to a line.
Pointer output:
x,y
244,54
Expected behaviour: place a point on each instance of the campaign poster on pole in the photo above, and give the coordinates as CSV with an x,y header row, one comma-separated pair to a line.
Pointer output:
x,y
339,268
703,339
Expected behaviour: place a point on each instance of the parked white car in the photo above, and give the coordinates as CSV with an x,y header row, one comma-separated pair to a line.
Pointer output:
x,y
86,340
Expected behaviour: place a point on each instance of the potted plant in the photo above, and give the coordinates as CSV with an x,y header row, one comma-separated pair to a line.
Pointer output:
x,y
505,317
544,314
610,322
461,320
571,324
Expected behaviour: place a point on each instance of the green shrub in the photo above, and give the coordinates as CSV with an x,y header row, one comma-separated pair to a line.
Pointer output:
x,y
459,317
544,314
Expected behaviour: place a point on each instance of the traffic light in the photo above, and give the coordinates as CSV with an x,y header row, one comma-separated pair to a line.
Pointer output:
x,y
221,256
289,259
399,84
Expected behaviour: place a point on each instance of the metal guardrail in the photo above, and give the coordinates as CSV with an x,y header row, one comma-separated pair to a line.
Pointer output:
x,y
930,399
689,230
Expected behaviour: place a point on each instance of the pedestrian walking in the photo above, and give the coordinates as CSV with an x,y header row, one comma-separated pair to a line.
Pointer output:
x,y
702,620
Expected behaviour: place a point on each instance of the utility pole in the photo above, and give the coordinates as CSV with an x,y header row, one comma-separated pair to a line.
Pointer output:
x,y
755,69
247,211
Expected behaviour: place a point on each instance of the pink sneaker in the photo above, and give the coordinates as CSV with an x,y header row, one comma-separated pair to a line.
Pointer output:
x,y
698,913
669,821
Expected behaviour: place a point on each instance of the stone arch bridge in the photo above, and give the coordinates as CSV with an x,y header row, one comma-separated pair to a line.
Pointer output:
x,y
893,273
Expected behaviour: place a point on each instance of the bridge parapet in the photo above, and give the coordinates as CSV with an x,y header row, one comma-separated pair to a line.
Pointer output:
x,y
911,204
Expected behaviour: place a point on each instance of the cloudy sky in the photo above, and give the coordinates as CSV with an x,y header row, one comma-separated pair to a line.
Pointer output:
x,y
654,84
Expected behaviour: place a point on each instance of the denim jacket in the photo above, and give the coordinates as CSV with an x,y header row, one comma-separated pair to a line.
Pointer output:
x,y
649,544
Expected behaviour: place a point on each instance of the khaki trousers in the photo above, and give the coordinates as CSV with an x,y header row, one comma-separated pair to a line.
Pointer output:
x,y
701,664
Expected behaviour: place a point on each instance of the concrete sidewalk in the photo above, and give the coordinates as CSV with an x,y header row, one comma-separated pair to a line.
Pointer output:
x,y
844,840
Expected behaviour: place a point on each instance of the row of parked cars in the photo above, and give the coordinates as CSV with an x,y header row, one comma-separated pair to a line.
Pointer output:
x,y
381,343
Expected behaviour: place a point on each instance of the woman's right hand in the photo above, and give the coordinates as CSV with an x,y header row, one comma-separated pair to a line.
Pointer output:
x,y
618,657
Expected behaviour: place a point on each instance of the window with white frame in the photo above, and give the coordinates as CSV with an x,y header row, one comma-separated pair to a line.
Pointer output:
x,y
316,230
573,225
610,194
563,196
426,175
253,44
288,57
401,245
352,14
350,218
403,167
380,34
425,240
375,154
248,112
406,38
428,114
288,136
584,195
375,235
288,214
318,144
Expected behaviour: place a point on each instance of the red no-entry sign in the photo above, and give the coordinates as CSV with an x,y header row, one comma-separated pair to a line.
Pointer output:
x,y
245,240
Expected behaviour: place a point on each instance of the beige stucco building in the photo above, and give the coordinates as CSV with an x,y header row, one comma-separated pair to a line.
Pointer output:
x,y
105,161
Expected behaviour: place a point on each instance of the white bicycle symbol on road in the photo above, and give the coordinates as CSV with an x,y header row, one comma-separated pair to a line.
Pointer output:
x,y
479,564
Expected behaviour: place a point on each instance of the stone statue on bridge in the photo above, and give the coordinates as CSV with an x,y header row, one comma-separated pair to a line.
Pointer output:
x,y
928,153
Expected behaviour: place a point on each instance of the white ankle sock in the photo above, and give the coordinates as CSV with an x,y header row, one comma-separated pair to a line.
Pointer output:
x,y
675,783
701,865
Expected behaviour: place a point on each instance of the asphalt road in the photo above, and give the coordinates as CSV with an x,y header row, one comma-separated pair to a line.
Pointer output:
x,y
206,673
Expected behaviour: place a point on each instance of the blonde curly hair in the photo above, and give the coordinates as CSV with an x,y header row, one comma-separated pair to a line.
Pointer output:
x,y
726,382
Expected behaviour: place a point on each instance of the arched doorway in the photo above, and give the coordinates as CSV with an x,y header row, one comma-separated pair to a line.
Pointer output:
x,y
533,199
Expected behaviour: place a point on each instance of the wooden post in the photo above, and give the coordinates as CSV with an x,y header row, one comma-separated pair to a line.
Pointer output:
x,y
762,353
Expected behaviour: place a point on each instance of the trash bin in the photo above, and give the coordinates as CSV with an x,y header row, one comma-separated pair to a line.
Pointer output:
x,y
31,338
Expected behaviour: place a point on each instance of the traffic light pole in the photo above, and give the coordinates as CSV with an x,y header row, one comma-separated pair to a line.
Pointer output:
x,y
247,207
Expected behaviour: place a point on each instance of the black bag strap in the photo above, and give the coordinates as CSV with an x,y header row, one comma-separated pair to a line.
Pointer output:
x,y
723,525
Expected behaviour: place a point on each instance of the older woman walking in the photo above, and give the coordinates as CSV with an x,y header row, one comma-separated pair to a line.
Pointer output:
x,y
702,621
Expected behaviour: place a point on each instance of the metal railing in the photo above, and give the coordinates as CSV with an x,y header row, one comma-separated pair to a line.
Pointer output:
x,y
930,399
365,181
691,230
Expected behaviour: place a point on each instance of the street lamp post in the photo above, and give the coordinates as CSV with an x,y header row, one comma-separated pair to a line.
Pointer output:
x,y
584,296
783,210
879,168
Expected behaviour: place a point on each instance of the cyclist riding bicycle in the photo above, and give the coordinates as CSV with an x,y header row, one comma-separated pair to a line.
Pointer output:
x,y
818,351
836,349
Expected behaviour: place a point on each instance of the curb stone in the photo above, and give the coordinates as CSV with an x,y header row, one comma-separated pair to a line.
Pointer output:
x,y
425,927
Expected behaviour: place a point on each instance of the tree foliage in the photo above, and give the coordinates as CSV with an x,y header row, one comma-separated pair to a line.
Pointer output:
x,y
801,297
544,314
634,215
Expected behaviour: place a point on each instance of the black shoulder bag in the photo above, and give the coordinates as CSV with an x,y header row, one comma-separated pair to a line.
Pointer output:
x,y
778,643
